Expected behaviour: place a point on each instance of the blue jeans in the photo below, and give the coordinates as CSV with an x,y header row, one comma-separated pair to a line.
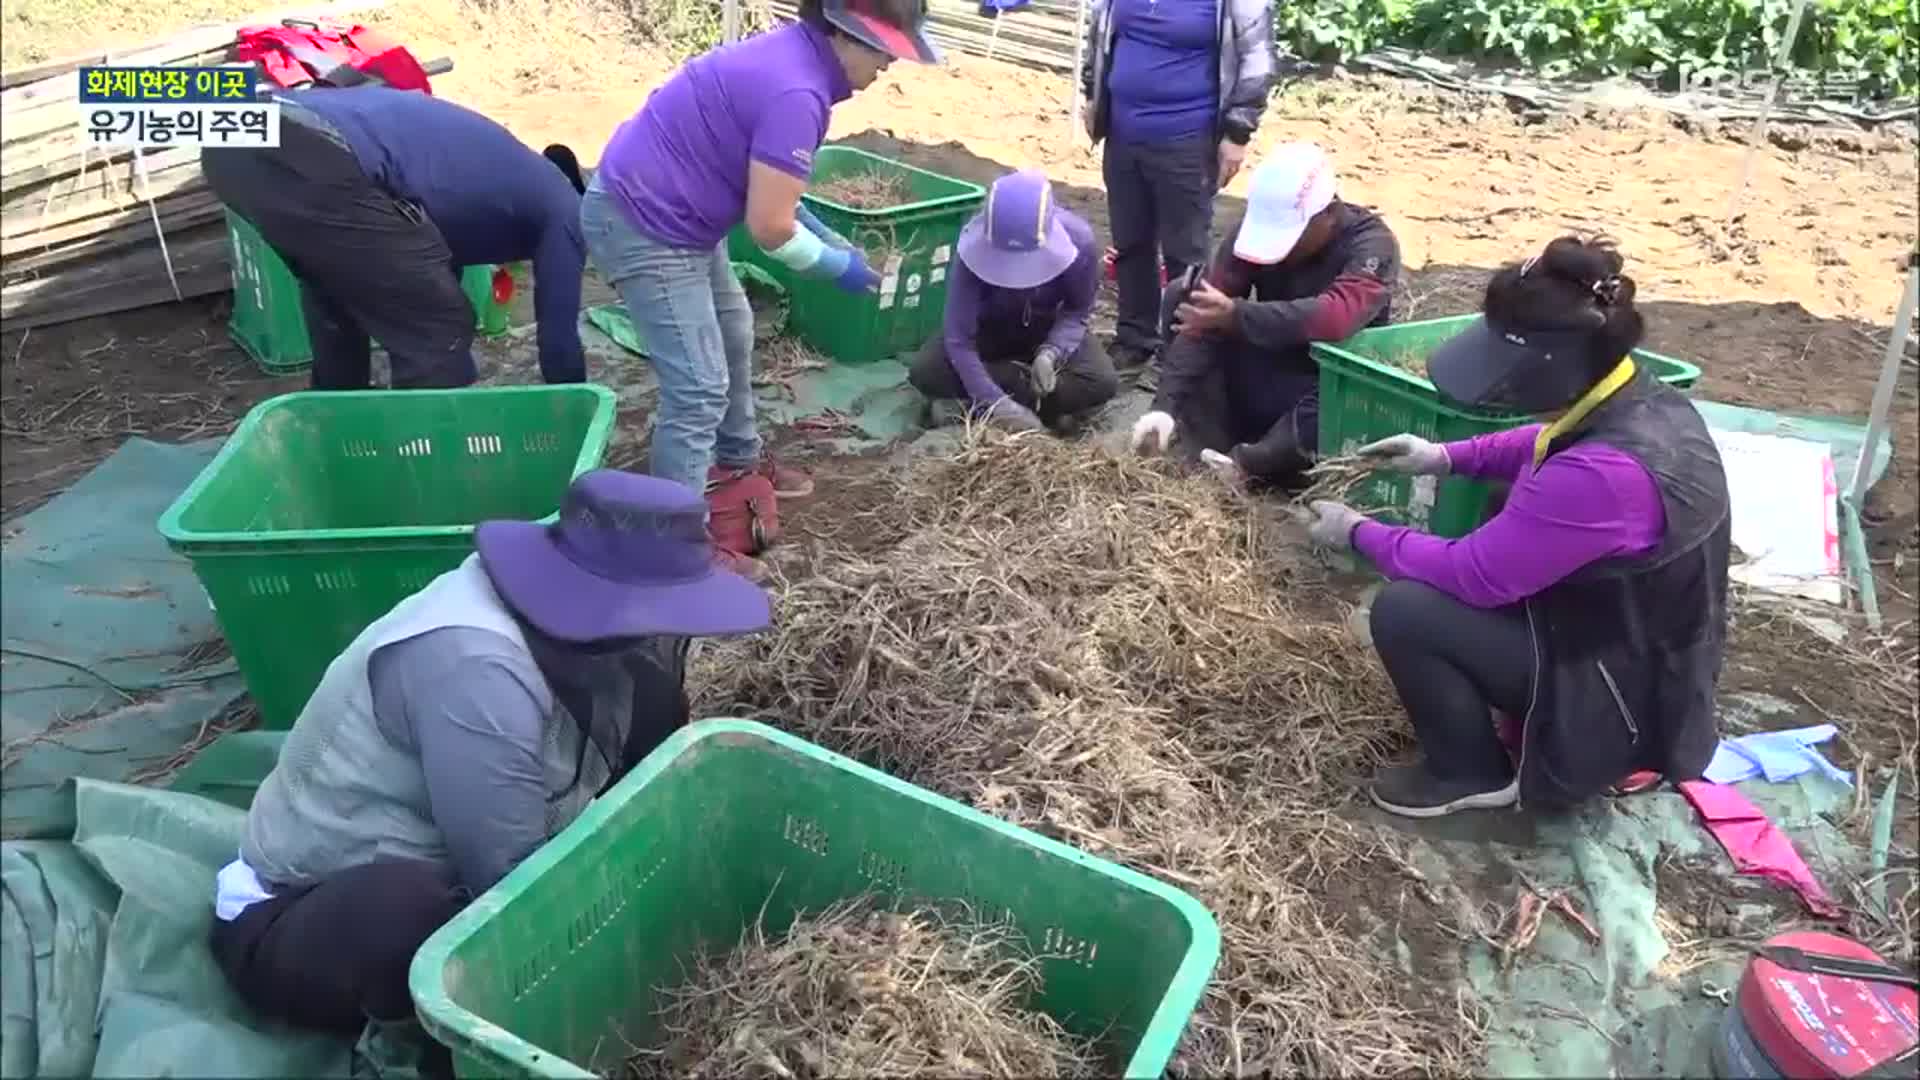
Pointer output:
x,y
696,325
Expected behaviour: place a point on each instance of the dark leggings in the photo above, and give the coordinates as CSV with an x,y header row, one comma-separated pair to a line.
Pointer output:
x,y
335,955
1452,665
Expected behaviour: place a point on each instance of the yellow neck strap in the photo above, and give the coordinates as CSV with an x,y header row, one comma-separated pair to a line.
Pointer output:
x,y
1621,375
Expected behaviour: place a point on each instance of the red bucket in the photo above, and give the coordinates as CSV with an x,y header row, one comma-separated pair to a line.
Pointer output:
x,y
1788,1023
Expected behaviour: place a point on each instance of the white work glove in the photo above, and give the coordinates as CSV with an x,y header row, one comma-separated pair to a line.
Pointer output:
x,y
1152,433
1046,370
1012,417
1410,454
1333,523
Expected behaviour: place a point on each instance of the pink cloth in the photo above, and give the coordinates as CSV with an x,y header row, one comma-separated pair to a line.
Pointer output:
x,y
1753,843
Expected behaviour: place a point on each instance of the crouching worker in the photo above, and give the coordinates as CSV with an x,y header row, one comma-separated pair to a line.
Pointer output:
x,y
1592,607
460,732
376,198
1015,345
1239,385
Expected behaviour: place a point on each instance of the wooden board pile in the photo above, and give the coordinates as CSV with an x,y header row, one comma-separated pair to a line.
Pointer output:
x,y
1039,35
80,225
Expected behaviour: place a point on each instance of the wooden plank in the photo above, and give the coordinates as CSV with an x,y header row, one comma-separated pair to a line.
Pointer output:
x,y
1039,40
136,231
64,84
148,292
93,157
94,224
190,42
87,169
134,278
97,195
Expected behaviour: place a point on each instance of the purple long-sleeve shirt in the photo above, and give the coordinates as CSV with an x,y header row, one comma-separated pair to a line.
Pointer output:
x,y
1585,503
1000,321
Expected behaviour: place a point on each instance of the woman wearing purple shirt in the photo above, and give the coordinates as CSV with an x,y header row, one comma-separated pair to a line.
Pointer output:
x,y
1592,607
1014,341
730,138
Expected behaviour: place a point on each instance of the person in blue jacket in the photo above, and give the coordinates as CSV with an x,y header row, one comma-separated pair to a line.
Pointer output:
x,y
376,198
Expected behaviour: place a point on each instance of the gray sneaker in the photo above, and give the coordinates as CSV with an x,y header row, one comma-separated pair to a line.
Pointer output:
x,y
1411,791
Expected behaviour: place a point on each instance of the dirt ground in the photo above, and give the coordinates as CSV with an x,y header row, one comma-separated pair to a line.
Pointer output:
x,y
1786,309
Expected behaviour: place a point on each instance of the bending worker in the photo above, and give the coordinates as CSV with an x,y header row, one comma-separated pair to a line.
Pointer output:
x,y
1015,344
1239,385
460,732
731,138
1593,606
376,198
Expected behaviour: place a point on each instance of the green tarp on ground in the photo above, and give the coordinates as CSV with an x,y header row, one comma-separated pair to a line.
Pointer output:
x,y
1643,1000
103,949
872,405
112,660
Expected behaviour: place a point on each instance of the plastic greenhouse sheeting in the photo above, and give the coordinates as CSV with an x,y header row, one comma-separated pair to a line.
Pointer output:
x,y
109,666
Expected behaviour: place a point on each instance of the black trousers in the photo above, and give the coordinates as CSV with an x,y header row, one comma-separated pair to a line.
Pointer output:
x,y
334,956
1261,409
1453,665
1085,381
1159,208
368,263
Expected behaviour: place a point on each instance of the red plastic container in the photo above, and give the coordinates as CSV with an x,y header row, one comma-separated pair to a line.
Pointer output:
x,y
1791,1024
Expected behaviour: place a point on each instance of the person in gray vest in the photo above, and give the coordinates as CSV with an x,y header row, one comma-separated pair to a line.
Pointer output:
x,y
1584,625
460,732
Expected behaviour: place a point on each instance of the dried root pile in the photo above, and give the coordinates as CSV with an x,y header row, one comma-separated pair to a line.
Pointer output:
x,y
855,990
1137,663
1413,362
867,190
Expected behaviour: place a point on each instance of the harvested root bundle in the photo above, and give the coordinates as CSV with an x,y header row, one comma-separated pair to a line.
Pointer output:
x,y
869,189
857,990
1138,663
1412,361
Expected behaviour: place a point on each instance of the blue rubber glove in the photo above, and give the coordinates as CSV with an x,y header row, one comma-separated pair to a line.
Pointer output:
x,y
812,223
847,268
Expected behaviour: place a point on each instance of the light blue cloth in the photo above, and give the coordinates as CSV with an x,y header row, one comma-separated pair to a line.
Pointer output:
x,y
1776,755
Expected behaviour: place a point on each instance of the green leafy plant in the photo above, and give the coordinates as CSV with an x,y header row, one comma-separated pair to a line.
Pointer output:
x,y
1867,45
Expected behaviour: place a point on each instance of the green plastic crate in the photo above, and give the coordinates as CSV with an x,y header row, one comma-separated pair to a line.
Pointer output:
x,y
268,323
535,977
1363,398
326,508
913,292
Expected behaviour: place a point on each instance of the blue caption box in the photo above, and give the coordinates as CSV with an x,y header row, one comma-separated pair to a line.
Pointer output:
x,y
168,85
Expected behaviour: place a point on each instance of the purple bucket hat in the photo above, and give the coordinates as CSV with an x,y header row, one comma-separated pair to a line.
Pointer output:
x,y
629,557
1017,242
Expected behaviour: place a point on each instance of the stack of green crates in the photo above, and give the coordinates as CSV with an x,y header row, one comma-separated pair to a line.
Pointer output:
x,y
268,322
1365,396
920,233
559,968
326,508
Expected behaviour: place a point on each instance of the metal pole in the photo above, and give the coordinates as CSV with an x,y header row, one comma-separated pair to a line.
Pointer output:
x,y
1760,122
1889,378
1079,57
731,19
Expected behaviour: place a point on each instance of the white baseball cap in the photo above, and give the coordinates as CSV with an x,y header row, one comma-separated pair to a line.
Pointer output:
x,y
1292,185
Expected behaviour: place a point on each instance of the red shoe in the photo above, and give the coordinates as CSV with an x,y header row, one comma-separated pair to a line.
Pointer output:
x,y
1636,782
788,482
745,565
